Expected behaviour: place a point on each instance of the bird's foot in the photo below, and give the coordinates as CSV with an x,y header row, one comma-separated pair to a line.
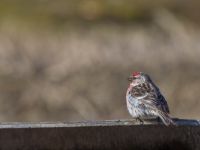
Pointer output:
x,y
140,120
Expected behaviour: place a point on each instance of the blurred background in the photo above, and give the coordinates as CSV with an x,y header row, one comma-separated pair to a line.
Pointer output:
x,y
68,60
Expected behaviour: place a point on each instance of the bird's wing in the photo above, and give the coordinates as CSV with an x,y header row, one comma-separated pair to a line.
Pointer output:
x,y
150,95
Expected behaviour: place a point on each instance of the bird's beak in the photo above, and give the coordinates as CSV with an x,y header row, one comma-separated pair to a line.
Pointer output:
x,y
130,78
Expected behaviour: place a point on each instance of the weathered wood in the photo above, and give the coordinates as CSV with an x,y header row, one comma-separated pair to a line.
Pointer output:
x,y
100,135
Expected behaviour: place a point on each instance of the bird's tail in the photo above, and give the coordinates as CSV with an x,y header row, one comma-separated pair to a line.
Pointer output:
x,y
165,118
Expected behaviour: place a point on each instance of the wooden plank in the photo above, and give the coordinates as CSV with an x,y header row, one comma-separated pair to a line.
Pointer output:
x,y
95,123
100,135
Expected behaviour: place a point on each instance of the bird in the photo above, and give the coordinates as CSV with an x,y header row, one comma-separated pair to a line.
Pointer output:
x,y
144,99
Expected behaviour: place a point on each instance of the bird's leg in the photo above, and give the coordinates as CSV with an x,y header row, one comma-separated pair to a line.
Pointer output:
x,y
158,119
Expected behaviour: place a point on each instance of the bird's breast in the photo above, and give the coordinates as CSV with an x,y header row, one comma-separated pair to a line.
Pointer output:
x,y
132,100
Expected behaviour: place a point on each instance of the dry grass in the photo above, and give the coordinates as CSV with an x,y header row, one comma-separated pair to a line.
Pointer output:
x,y
81,73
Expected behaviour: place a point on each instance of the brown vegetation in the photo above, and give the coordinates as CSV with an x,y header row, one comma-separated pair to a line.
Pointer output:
x,y
80,73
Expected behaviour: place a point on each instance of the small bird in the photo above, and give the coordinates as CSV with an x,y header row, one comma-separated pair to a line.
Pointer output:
x,y
144,99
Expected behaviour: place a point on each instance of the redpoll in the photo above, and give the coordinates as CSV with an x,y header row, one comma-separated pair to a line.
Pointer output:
x,y
144,99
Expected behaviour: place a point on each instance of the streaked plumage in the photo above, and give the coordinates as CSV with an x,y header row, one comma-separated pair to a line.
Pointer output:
x,y
144,99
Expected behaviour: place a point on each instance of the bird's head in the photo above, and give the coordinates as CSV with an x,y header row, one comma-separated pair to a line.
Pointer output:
x,y
138,77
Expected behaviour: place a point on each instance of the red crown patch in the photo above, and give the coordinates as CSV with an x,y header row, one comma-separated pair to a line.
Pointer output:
x,y
135,74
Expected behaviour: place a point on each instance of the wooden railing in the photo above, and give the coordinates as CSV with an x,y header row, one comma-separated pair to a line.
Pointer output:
x,y
101,135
